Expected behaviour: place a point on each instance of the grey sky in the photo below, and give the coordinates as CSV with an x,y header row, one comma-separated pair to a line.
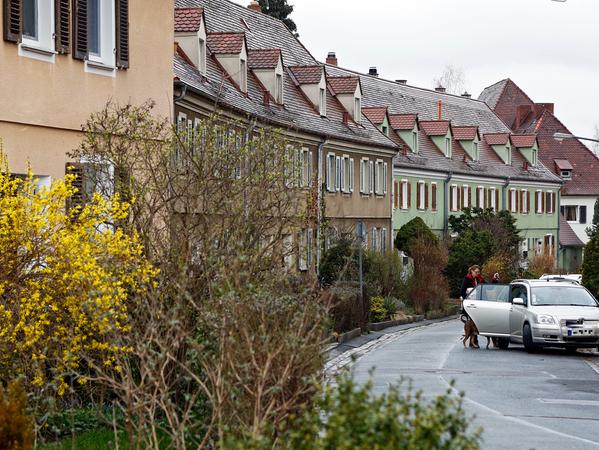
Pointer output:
x,y
550,49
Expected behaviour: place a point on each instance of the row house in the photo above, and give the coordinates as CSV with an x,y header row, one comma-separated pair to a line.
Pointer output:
x,y
248,67
63,60
568,159
456,153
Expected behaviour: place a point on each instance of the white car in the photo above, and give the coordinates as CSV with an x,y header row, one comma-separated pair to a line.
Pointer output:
x,y
536,313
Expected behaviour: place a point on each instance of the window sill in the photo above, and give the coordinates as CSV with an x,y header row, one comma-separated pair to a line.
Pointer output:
x,y
99,68
37,53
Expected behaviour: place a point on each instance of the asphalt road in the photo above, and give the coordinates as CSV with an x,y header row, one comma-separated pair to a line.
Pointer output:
x,y
523,401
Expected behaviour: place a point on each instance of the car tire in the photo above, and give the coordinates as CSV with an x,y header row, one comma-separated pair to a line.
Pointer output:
x,y
529,346
503,343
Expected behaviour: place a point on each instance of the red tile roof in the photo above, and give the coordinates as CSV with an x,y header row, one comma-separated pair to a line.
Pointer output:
x,y
523,140
497,138
307,74
375,114
563,164
464,133
567,236
264,58
435,127
402,121
188,19
343,85
225,43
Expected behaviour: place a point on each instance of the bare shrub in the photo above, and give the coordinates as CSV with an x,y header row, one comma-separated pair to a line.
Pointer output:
x,y
428,288
540,265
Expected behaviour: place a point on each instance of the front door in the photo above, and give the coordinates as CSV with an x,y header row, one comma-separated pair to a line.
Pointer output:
x,y
517,312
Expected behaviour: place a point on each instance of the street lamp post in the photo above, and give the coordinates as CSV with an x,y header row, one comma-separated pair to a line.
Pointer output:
x,y
561,136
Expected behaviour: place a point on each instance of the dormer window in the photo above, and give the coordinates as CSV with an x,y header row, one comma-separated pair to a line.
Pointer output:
x,y
202,56
475,151
535,160
508,150
357,109
566,174
448,147
415,141
243,75
385,130
279,88
322,102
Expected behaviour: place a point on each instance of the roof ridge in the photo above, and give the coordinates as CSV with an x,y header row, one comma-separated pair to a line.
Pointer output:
x,y
226,32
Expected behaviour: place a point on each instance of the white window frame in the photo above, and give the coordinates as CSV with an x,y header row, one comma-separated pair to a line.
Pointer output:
x,y
481,197
539,202
371,177
322,102
105,63
351,174
375,239
279,88
577,215
455,197
337,173
493,203
344,174
363,176
306,168
524,207
243,75
357,110
514,200
379,187
475,150
566,174
383,239
415,141
448,151
202,47
42,46
436,197
385,175
421,194
549,206
331,175
465,196
403,186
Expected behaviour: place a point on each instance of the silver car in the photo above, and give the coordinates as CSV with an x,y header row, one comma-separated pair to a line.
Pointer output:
x,y
536,313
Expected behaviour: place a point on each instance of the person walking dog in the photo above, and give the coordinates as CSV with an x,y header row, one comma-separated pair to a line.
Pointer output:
x,y
471,280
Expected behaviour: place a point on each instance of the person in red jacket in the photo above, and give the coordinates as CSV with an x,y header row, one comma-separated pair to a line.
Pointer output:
x,y
471,280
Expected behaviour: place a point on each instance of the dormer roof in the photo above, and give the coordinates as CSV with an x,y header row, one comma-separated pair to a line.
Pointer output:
x,y
375,114
343,85
307,74
403,121
264,58
226,43
435,127
497,138
465,133
523,140
563,164
188,20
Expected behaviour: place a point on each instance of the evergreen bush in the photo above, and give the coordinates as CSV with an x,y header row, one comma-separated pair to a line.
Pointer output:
x,y
590,266
415,228
378,312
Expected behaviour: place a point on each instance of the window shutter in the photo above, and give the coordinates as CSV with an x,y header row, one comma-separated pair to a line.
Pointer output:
x,y
434,197
497,208
409,195
310,169
396,194
582,214
426,196
478,197
469,193
553,196
328,173
460,198
62,27
122,183
418,198
12,20
385,173
337,173
122,34
351,174
527,201
79,197
80,29
521,201
509,201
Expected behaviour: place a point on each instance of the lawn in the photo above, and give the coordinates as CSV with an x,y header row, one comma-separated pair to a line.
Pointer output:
x,y
101,439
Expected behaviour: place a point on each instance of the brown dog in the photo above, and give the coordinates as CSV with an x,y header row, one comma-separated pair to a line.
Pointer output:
x,y
470,333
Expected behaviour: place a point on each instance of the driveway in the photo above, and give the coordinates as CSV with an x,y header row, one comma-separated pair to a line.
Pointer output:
x,y
523,401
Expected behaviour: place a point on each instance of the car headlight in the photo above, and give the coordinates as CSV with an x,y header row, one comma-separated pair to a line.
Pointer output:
x,y
545,319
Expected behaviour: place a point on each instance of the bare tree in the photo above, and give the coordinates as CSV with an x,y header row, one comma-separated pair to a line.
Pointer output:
x,y
595,145
452,79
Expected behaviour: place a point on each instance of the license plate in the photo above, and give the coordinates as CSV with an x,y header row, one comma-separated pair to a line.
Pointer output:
x,y
569,331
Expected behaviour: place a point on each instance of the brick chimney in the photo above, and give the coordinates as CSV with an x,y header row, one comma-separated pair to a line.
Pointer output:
x,y
372,71
522,112
542,107
440,110
401,81
255,6
331,59
345,118
266,98
440,89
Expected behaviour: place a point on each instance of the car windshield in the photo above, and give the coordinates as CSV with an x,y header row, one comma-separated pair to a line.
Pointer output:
x,y
562,295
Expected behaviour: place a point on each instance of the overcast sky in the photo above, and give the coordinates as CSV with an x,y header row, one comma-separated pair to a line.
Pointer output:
x,y
550,49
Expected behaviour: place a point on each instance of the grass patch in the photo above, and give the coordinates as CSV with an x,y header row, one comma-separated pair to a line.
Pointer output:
x,y
101,439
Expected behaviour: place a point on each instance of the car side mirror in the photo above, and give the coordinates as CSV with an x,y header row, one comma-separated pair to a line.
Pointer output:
x,y
518,301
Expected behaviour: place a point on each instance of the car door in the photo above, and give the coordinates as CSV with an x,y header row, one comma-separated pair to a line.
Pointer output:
x,y
518,312
489,309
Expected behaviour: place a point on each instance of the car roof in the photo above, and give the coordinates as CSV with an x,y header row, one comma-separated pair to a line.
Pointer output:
x,y
555,281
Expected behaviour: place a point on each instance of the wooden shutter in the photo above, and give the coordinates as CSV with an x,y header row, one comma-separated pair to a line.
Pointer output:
x,y
409,195
527,201
80,29
451,204
79,197
122,34
469,193
396,194
553,198
460,193
418,196
62,19
543,203
434,197
497,207
521,201
122,183
425,195
13,20
401,194
477,196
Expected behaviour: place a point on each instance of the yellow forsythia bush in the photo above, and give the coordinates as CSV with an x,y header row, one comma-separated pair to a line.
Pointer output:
x,y
66,279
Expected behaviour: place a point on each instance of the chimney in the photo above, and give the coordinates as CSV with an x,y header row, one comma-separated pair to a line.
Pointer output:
x,y
466,95
372,71
332,59
522,112
255,6
345,118
401,81
440,110
440,89
266,98
541,107
525,165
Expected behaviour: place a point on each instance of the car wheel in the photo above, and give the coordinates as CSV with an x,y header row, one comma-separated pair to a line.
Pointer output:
x,y
571,350
529,346
503,343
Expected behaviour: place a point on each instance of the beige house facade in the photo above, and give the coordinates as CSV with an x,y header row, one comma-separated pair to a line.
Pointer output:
x,y
64,60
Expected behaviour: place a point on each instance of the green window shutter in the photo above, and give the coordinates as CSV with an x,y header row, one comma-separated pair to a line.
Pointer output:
x,y
13,20
62,19
122,34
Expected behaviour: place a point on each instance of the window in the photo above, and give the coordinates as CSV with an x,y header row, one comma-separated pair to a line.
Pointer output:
x,y
93,32
347,174
330,172
374,242
363,176
434,196
383,240
421,195
371,177
480,197
454,198
306,168
524,196
465,197
415,141
322,105
305,249
548,245
448,147
385,171
566,174
351,174
570,213
404,194
358,109
337,173
380,178
30,19
550,202
475,150
385,130
493,197
38,27
243,75
513,206
202,47
279,88
534,157
101,32
519,291
539,202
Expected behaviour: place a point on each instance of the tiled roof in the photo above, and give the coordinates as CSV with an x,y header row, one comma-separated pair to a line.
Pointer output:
x,y
464,133
343,85
264,58
523,140
402,121
225,43
307,74
563,164
188,19
435,127
497,138
490,95
567,236
503,100
543,122
375,114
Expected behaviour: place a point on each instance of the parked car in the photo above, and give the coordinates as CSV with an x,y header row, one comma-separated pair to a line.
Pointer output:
x,y
536,313
571,276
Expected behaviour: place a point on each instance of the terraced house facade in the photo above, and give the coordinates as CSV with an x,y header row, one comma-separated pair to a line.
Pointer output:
x,y
63,60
